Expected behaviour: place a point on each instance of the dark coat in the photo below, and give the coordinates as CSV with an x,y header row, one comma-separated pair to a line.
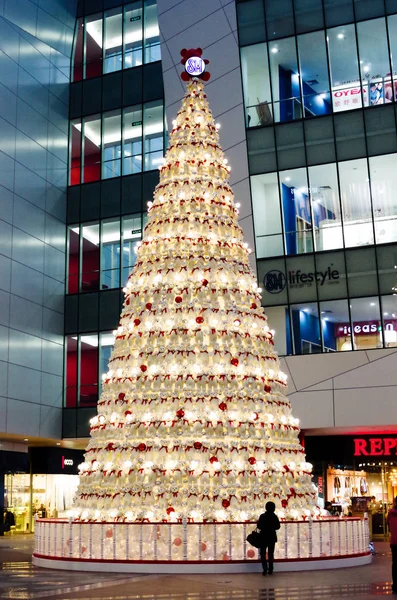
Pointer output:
x,y
268,524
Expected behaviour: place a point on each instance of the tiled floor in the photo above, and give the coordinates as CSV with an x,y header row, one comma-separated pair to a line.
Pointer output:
x,y
20,580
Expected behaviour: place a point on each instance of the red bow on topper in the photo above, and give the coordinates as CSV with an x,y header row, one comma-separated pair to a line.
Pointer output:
x,y
195,66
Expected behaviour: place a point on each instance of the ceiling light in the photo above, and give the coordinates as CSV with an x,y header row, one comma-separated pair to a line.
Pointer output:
x,y
341,36
287,178
58,443
385,314
366,69
25,439
274,50
372,304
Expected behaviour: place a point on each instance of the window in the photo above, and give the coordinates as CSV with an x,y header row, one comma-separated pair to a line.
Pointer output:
x,y
267,217
106,343
356,203
297,217
119,38
345,77
90,258
279,18
132,233
278,319
115,148
110,254
305,325
383,170
326,210
285,80
389,321
335,325
392,27
71,371
313,68
251,22
374,62
73,260
256,85
366,323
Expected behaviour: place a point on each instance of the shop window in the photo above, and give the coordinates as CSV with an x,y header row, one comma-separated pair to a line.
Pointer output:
x,y
75,152
113,45
374,62
383,170
361,268
110,254
153,134
77,61
90,258
251,22
366,329
335,325
279,18
387,269
71,378
133,35
106,343
314,78
132,140
93,45
326,211
92,148
308,15
345,79
285,80
132,233
111,144
389,320
88,370
267,216
305,326
73,259
297,217
151,32
278,321
356,203
256,85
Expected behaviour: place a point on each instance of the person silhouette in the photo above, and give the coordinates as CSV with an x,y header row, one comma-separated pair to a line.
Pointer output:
x,y
268,524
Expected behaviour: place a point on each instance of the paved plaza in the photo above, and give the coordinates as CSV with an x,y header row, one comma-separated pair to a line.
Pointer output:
x,y
20,580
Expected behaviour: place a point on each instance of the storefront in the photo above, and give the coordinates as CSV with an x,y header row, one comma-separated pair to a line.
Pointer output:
x,y
356,474
46,488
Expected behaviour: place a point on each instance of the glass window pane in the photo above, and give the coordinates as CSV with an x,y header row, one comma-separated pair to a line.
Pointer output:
x,y
367,329
308,15
383,170
256,84
297,216
326,209
285,80
75,152
389,318
93,46
77,69
314,74
251,22
133,35
278,320
110,254
88,370
106,342
90,258
392,26
345,78
356,203
132,140
151,32
368,9
113,47
111,165
362,276
73,260
305,323
132,233
267,216
273,275
153,134
92,148
335,325
71,371
279,18
338,12
301,279
387,269
374,62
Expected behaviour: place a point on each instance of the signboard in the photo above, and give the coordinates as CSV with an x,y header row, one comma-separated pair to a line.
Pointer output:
x,y
375,446
364,328
349,96
195,66
346,449
274,281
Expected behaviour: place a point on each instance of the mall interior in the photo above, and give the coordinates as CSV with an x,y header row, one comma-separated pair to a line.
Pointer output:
x,y
306,94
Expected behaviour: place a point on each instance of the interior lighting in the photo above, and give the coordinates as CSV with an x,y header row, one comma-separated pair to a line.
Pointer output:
x,y
274,50
341,36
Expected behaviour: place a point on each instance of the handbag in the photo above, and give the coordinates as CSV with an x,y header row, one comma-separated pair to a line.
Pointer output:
x,y
255,539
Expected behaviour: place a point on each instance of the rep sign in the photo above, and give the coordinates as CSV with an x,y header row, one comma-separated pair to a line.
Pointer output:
x,y
375,446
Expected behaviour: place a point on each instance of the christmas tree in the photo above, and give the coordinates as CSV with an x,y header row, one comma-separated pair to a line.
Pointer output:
x,y
193,420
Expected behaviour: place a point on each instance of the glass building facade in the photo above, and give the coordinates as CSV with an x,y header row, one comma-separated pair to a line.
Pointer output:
x,y
117,137
320,82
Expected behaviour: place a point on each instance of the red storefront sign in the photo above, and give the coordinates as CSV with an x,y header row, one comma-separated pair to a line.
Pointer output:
x,y
375,446
364,327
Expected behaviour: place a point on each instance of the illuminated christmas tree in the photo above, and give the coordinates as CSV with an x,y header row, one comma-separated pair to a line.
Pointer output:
x,y
193,420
